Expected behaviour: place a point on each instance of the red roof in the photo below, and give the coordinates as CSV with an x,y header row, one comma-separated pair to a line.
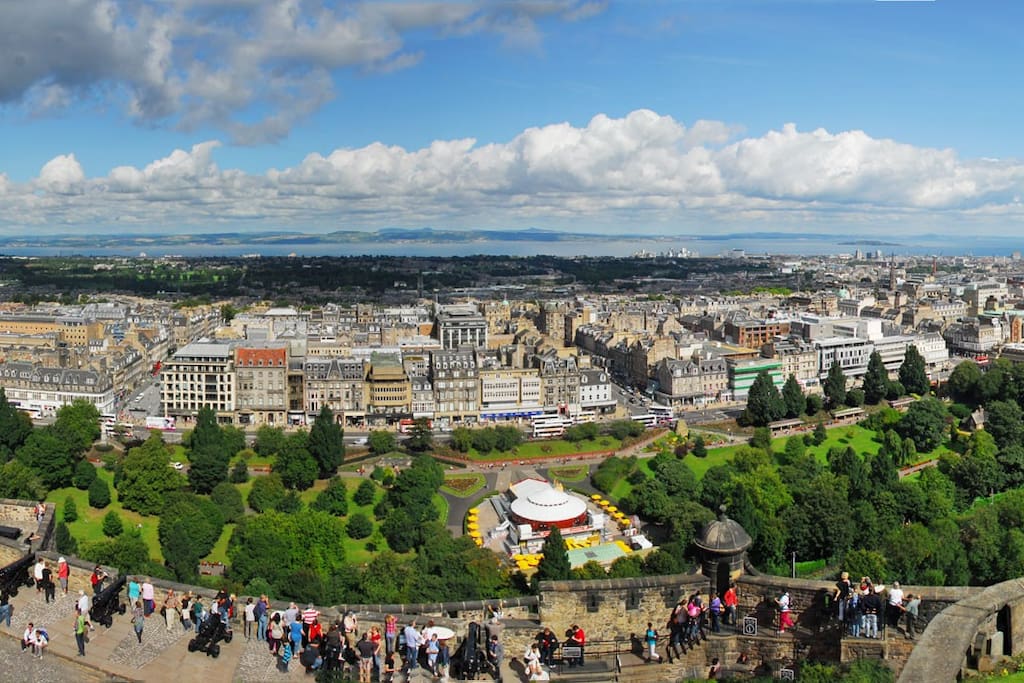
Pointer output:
x,y
261,358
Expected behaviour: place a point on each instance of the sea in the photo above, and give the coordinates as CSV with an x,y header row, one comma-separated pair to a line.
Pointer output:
x,y
734,245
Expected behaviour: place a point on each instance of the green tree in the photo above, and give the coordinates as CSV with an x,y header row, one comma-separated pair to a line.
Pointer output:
x,y
814,404
358,526
421,436
290,503
209,452
70,510
381,441
189,527
85,472
700,450
554,562
327,443
50,455
509,437
78,422
20,481
762,438
793,398
266,492
820,522
484,440
146,477
112,524
854,398
835,385
228,498
876,379
99,494
462,439
913,374
820,434
296,464
1004,420
925,423
764,404
239,473
365,493
15,427
66,543
964,382
269,441
128,552
334,499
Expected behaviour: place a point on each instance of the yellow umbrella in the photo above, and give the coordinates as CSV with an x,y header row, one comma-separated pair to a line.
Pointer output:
x,y
603,502
612,508
473,511
473,525
596,496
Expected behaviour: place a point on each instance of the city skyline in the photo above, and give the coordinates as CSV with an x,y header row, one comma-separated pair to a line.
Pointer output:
x,y
853,117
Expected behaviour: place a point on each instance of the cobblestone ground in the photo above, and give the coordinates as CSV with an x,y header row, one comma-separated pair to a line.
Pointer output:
x,y
258,665
25,668
155,639
30,606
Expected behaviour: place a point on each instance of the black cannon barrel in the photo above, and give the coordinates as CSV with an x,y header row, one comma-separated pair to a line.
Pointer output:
x,y
107,602
17,573
11,532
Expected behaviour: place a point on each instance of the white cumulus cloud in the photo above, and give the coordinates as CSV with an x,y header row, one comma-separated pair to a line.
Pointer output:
x,y
641,169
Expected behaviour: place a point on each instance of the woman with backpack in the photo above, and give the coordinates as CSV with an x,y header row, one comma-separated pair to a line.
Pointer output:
x,y
651,639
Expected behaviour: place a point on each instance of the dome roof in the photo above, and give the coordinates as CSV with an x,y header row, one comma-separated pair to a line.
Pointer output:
x,y
724,536
547,504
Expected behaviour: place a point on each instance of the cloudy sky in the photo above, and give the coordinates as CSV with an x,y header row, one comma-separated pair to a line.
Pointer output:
x,y
660,116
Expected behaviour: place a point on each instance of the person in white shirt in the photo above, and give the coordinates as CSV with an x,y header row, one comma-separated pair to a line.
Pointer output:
x,y
37,573
895,610
83,602
28,638
40,643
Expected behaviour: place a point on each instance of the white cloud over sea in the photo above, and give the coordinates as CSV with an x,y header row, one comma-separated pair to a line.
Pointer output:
x,y
643,169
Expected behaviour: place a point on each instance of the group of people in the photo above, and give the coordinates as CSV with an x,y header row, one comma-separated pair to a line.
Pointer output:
x,y
688,622
43,577
860,609
541,653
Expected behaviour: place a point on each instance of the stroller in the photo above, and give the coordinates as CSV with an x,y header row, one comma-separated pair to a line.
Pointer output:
x,y
469,660
210,634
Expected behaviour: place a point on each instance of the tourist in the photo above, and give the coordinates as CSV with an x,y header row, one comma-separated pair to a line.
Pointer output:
x,y
138,618
444,660
290,614
714,670
390,633
63,572
134,590
432,649
198,612
651,639
260,610
170,609
895,607
377,638
911,608
676,625
284,657
578,639
295,634
6,608
82,628
275,635
39,643
250,618
842,594
311,658
148,597
186,610
37,574
730,600
96,579
715,608
83,602
548,643
366,650
785,618
531,659
872,605
309,615
854,614
495,655
28,637
413,641
387,674
332,648
49,587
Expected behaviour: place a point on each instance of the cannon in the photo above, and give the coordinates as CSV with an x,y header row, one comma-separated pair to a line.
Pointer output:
x,y
212,631
16,574
107,602
470,660
11,532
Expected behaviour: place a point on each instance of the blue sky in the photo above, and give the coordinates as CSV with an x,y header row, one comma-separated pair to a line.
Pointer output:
x,y
664,116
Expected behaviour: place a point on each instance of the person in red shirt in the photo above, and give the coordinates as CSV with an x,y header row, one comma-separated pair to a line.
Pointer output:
x,y
730,601
579,639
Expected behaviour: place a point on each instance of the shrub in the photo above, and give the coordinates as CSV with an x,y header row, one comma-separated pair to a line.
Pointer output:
x,y
334,499
66,543
99,494
365,494
70,510
112,524
290,503
84,475
228,498
359,526
239,473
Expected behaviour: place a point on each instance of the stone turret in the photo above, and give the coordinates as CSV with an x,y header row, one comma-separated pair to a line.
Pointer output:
x,y
723,546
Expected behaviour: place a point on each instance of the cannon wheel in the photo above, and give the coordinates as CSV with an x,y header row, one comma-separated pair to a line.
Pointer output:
x,y
14,591
214,651
228,636
107,621
122,608
192,645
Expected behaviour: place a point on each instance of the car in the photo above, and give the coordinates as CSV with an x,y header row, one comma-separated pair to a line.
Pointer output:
x,y
177,465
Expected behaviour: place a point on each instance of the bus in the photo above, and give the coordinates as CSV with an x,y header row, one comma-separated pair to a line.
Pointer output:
x,y
550,426
660,410
648,420
405,425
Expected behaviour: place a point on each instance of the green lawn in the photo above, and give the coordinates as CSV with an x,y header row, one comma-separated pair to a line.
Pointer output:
x,y
623,487
548,448
220,548
89,525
